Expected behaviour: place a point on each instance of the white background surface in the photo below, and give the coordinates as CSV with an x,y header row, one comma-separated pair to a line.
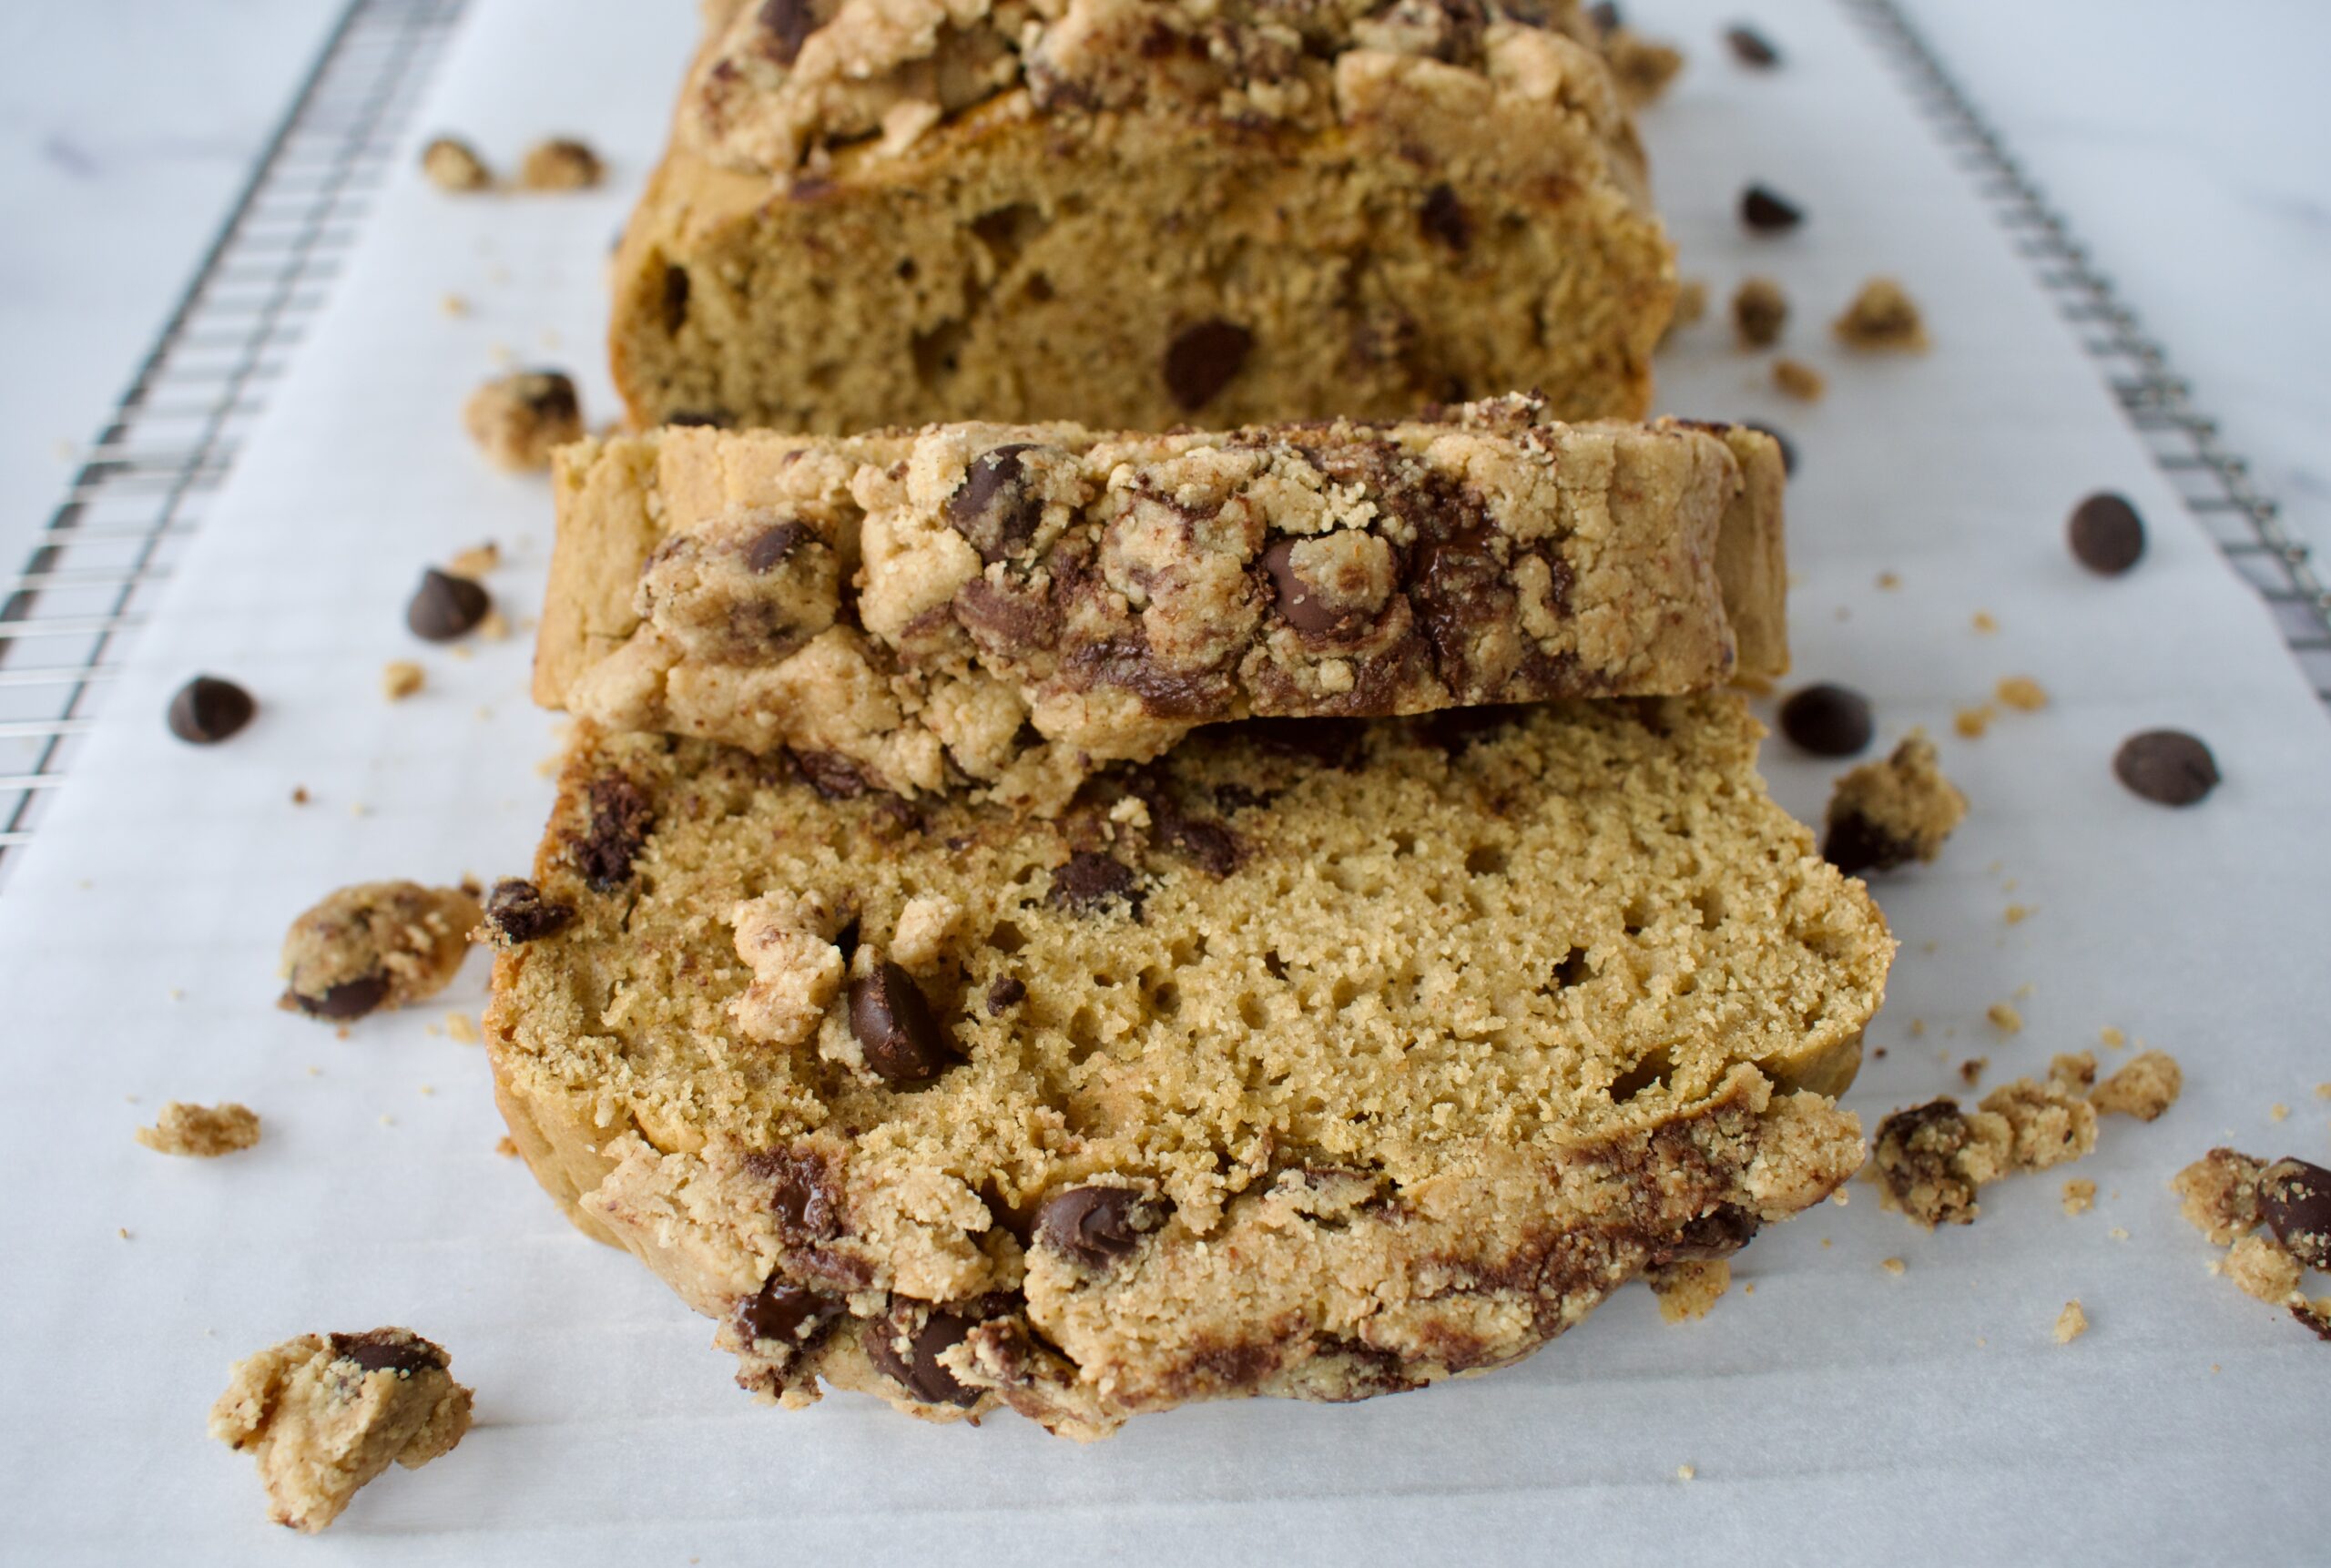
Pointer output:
x,y
1838,1412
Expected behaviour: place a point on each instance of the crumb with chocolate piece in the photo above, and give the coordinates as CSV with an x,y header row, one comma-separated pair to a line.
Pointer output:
x,y
376,945
518,420
561,163
1890,813
1643,66
1759,312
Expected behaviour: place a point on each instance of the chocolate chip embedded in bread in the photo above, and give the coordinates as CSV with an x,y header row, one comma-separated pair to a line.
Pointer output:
x,y
2167,767
1444,218
621,819
1095,1226
2106,534
387,1350
445,606
1005,995
802,1193
1089,880
517,912
786,1313
774,544
901,1042
1306,608
1827,720
788,24
1769,212
994,509
2296,1197
833,776
348,1000
206,710
1202,360
905,1346
1751,47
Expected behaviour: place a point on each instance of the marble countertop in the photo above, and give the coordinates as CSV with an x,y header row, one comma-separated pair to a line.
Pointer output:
x,y
2189,157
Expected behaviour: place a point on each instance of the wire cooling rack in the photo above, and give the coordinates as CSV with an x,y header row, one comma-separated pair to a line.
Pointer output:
x,y
106,553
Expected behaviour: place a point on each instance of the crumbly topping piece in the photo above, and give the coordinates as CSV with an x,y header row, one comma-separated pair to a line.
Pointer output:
x,y
1759,311
518,420
1890,813
2221,1194
2145,1087
452,164
561,163
375,945
1881,317
2072,1322
324,1414
1931,1158
788,939
204,1132
2228,1195
2080,1195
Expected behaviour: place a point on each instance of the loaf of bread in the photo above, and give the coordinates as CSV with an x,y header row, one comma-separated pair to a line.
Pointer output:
x,y
1318,1059
1134,213
1011,606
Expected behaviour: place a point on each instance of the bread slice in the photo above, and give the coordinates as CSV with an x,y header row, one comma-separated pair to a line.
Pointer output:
x,y
1011,606
1138,213
1318,1059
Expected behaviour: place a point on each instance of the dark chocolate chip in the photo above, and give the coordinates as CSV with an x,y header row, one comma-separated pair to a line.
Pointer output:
x,y
207,710
1094,1225
788,24
1304,607
386,1350
550,395
517,912
1827,720
1089,880
621,819
676,301
1721,1232
901,1042
1005,995
993,508
2167,767
1855,844
774,545
1751,47
2106,533
802,1193
833,776
1767,212
1444,218
444,606
349,999
715,418
927,1333
1202,360
2297,1199
846,939
786,1312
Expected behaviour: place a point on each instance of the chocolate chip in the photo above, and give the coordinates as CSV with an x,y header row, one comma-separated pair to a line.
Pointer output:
x,y
774,545
621,819
901,1042
2297,1199
800,1195
846,939
1766,212
1855,844
715,418
676,301
1304,607
207,710
927,1333
1202,360
349,999
1827,720
1444,218
444,606
1005,995
1089,880
2167,767
1094,1225
2106,533
788,24
386,1350
833,776
786,1312
550,395
1751,47
1721,1232
517,912
993,508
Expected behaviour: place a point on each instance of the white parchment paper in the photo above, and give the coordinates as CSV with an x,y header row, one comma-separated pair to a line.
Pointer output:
x,y
1837,1413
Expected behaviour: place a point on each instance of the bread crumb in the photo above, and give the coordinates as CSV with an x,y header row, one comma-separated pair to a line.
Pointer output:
x,y
400,678
518,420
1759,310
427,1090
2072,1322
493,626
476,561
2004,1018
453,305
452,164
2322,1091
1688,1290
2143,1088
463,1027
2118,1233
507,1147
2279,1112
1799,379
1970,1071
1686,1471
2017,914
1889,813
1893,1265
561,163
1888,581
1931,1159
2022,693
2112,1037
2263,1268
2080,1195
1971,722
201,1132
1641,66
299,796
1881,317
1918,1028
1985,623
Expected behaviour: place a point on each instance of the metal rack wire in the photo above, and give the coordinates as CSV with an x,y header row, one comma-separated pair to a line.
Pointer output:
x,y
144,484
2214,484
146,480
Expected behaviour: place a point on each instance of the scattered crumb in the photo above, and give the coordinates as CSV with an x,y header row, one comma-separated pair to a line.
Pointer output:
x,y
1841,1197
1691,304
358,808
463,1028
1970,1071
1971,722
1828,1242
2279,1112
452,164
1893,1265
517,419
1881,317
476,561
387,1120
453,305
506,1147
1759,310
2322,1091
2017,913
400,678
1686,1471
1641,66
2024,694
2119,1233
493,626
502,353
1889,813
1749,1289
2004,1018
561,163
1888,580
2080,1195
1931,1158
1918,1028
2148,1085
2112,1037
1799,379
299,796
1985,622
2072,1322
201,1132
1686,1290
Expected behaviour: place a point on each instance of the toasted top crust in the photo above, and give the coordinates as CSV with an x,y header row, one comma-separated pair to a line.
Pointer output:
x,y
1014,605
